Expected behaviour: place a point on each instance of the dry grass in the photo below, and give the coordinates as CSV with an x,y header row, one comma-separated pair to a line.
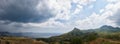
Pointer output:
x,y
19,40
104,41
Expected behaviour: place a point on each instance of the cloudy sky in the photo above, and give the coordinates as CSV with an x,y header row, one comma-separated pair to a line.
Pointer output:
x,y
51,16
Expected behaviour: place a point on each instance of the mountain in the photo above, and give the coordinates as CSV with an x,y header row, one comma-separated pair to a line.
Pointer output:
x,y
108,29
74,32
75,36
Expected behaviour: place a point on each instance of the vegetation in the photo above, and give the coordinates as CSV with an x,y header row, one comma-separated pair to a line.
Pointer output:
x,y
103,35
19,40
76,41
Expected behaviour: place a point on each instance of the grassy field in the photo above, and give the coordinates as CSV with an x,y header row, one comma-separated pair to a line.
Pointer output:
x,y
19,40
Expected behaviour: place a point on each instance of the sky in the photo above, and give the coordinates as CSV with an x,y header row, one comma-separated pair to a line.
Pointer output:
x,y
57,16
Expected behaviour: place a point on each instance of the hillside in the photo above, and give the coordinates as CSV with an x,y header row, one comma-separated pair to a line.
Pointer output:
x,y
107,29
75,36
74,32
103,35
104,41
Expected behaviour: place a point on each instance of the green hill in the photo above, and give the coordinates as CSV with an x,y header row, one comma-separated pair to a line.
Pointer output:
x,y
103,35
108,29
75,36
91,36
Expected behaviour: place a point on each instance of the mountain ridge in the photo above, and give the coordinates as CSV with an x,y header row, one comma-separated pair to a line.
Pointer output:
x,y
74,32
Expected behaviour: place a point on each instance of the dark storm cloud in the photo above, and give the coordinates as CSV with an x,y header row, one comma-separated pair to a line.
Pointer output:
x,y
8,27
24,11
116,17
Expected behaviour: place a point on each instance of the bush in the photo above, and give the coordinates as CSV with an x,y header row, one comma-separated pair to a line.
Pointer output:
x,y
76,41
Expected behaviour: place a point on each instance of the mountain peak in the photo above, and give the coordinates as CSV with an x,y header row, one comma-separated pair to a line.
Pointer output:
x,y
75,32
76,29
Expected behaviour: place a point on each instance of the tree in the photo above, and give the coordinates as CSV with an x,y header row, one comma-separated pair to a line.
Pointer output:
x,y
76,41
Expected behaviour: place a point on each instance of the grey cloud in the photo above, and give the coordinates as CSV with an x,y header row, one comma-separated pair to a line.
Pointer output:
x,y
8,28
15,13
24,11
116,17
